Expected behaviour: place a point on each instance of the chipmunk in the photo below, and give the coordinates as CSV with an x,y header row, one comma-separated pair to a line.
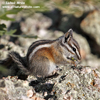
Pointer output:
x,y
44,56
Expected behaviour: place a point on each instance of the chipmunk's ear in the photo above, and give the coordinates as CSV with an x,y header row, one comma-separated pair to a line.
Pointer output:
x,y
68,35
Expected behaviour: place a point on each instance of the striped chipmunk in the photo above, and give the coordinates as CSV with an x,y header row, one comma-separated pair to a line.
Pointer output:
x,y
44,56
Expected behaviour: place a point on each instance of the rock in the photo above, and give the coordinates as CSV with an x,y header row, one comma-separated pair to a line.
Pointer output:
x,y
72,87
3,95
37,24
8,47
70,83
92,61
91,26
55,15
67,21
34,23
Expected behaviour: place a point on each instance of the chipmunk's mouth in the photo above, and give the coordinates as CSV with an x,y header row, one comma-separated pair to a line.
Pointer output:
x,y
71,58
73,61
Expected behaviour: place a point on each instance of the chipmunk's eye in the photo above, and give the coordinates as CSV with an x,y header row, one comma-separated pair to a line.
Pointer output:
x,y
74,49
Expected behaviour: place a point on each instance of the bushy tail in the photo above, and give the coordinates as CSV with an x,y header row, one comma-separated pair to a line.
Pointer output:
x,y
16,58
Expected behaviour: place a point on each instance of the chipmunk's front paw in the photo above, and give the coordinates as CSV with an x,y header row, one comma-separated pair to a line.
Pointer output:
x,y
53,74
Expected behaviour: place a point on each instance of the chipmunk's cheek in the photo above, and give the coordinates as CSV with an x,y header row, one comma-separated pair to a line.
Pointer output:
x,y
73,60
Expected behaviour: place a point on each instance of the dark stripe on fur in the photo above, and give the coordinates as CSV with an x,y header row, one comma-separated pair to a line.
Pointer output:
x,y
77,46
36,44
66,47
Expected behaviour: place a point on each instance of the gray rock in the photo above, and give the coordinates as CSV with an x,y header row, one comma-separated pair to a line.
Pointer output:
x,y
91,26
74,83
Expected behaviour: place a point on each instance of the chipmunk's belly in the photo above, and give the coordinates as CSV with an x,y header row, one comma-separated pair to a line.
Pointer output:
x,y
52,67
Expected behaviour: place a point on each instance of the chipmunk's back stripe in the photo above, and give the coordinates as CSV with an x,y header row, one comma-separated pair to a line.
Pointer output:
x,y
38,45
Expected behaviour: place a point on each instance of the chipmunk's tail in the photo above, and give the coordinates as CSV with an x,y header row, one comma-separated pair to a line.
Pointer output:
x,y
14,57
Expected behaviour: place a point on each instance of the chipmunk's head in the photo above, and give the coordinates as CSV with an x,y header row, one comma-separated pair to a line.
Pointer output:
x,y
70,47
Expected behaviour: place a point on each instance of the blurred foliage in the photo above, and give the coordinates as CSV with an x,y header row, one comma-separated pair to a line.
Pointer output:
x,y
4,70
39,6
3,16
4,12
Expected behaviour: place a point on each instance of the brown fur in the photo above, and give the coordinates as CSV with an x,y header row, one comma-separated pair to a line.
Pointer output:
x,y
44,55
45,52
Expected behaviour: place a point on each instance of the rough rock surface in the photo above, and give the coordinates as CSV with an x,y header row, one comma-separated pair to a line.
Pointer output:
x,y
71,83
91,25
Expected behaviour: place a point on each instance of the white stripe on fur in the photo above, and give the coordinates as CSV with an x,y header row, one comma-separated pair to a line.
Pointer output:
x,y
37,48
